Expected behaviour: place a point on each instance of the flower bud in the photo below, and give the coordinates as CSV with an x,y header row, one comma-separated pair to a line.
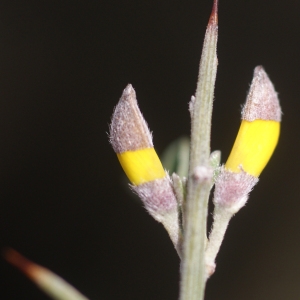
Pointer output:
x,y
260,128
254,145
132,142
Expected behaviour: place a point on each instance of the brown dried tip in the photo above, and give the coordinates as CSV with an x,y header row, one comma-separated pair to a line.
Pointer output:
x,y
19,261
128,129
262,100
213,19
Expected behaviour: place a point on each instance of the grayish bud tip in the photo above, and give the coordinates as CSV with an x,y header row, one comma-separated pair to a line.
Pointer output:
x,y
128,129
262,100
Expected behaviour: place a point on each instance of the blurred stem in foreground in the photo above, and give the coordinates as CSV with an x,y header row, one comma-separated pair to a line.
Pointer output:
x,y
50,283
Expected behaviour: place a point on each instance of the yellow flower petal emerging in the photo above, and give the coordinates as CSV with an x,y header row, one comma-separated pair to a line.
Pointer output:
x,y
253,146
141,165
260,128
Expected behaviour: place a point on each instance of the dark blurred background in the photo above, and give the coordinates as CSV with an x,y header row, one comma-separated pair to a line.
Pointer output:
x,y
63,66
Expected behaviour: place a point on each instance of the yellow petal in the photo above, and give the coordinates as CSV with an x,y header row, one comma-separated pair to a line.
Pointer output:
x,y
141,165
254,146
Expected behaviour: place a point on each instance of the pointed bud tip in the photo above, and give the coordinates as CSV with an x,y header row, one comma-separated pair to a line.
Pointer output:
x,y
128,94
213,20
262,100
128,130
260,73
128,90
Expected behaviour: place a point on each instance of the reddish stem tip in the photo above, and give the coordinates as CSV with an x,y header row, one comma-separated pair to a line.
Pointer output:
x,y
17,260
213,20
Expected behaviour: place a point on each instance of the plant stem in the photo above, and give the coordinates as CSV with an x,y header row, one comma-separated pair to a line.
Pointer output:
x,y
200,173
220,224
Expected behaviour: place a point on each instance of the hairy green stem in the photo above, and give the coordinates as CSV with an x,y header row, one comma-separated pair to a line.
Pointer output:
x,y
200,173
